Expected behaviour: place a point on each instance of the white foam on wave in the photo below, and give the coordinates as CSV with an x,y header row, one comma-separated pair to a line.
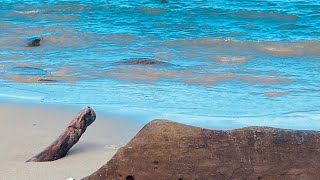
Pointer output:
x,y
29,12
232,59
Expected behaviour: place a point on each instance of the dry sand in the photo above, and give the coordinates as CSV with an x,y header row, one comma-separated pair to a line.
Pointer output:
x,y
28,129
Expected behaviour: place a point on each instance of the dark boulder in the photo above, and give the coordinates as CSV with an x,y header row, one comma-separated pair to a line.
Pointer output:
x,y
169,150
35,42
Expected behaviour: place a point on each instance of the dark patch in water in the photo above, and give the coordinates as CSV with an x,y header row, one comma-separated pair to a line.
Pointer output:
x,y
35,42
287,26
143,61
45,80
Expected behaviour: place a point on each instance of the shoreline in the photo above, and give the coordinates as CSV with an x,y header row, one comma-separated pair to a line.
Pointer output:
x,y
28,129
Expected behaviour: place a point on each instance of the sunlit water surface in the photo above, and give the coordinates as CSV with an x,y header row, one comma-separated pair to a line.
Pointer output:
x,y
223,64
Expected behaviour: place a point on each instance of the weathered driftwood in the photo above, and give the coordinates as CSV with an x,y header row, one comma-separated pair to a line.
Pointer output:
x,y
59,148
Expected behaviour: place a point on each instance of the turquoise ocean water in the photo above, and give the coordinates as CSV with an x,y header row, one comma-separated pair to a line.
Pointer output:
x,y
225,64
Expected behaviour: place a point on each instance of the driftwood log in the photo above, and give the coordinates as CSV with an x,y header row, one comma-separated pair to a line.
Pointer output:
x,y
59,148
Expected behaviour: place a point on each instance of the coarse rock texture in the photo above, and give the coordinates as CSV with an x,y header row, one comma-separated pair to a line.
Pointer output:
x,y
169,150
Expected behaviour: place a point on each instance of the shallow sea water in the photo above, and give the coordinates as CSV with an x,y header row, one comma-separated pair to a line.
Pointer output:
x,y
223,64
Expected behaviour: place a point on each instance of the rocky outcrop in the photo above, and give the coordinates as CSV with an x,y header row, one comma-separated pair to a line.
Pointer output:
x,y
35,42
169,150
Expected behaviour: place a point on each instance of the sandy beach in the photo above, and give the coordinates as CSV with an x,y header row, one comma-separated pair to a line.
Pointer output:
x,y
180,89
28,129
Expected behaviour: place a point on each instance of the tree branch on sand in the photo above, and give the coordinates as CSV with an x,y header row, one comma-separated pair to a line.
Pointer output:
x,y
60,147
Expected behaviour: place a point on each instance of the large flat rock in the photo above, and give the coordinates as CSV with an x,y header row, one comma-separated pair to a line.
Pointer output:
x,y
169,150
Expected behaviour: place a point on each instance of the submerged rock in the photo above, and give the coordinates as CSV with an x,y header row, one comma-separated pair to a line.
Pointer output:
x,y
169,150
46,80
35,42
143,61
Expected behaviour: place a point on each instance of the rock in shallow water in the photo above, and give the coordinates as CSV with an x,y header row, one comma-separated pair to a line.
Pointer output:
x,y
35,42
143,61
169,150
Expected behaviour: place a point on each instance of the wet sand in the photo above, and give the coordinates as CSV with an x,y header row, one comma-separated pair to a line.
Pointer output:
x,y
28,129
